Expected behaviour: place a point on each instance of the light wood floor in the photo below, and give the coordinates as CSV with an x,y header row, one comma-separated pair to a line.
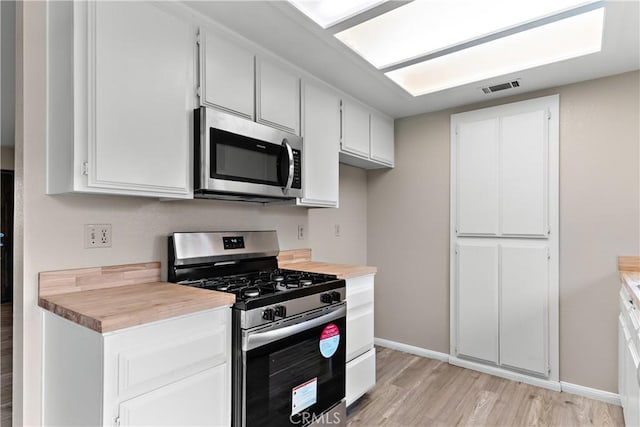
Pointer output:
x,y
415,391
6,348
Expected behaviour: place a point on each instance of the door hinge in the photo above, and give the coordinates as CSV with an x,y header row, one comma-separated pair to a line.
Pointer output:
x,y
198,92
116,422
84,170
457,130
198,37
548,115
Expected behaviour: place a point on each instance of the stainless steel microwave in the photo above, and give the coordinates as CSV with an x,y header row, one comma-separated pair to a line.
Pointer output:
x,y
238,159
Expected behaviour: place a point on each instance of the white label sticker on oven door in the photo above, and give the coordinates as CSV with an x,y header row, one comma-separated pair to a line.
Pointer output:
x,y
329,340
304,395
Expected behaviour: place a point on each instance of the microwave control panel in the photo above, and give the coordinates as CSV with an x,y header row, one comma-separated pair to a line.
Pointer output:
x,y
297,169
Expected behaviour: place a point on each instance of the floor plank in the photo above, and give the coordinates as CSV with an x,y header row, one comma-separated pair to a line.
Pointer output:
x,y
6,349
415,391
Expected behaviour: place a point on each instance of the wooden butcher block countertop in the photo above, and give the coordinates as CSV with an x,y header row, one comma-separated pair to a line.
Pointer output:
x,y
629,268
107,299
300,259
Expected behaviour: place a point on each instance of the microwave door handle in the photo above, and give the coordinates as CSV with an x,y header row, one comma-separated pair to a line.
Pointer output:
x,y
287,147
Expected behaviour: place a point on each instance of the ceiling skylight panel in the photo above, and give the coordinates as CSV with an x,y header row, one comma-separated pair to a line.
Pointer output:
x,y
426,26
330,12
560,40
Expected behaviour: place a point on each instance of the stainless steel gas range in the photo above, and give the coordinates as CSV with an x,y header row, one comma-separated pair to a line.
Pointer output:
x,y
289,327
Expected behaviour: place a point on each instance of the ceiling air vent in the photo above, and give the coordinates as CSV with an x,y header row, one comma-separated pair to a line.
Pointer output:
x,y
501,86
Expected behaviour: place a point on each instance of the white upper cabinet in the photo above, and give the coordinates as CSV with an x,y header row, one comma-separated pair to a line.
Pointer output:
x,y
502,175
382,139
367,137
321,133
477,178
120,95
355,129
226,75
524,173
277,97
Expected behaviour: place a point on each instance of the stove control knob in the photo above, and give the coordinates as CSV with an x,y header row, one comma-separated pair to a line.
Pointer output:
x,y
281,310
268,314
335,296
326,298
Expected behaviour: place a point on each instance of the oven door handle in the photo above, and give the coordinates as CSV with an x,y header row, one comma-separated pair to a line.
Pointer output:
x,y
258,339
289,183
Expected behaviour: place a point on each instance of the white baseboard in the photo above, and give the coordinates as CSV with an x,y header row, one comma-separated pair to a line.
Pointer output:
x,y
503,373
591,393
418,351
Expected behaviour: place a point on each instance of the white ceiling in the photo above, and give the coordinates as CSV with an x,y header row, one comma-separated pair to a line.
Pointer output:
x,y
282,29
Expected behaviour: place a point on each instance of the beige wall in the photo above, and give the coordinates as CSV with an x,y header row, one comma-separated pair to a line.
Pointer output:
x,y
49,230
351,246
408,225
7,155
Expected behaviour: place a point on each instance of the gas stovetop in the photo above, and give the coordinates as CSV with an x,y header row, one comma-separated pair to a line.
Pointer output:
x,y
260,288
252,285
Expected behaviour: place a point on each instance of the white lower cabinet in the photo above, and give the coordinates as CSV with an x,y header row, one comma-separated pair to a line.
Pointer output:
x,y
171,372
629,360
502,304
361,355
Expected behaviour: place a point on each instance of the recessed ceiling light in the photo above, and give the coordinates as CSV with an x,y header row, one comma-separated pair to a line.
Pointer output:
x,y
330,12
426,26
564,39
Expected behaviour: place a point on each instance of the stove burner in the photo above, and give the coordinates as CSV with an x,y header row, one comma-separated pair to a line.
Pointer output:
x,y
278,279
306,282
250,292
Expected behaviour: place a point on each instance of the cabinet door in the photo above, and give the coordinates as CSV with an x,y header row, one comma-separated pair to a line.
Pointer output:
x,y
321,133
226,75
524,302
277,97
477,294
360,376
382,139
477,178
524,171
355,129
199,400
632,388
140,98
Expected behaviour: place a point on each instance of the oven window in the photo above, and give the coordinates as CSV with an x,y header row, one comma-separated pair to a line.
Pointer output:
x,y
295,363
239,158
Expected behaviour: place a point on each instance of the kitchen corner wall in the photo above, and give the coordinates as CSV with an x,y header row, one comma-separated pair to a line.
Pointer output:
x,y
49,229
7,155
408,225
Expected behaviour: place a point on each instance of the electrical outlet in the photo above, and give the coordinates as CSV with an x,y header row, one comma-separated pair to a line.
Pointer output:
x,y
300,232
336,230
97,236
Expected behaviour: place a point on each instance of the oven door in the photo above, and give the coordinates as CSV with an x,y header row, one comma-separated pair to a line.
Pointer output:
x,y
244,157
295,372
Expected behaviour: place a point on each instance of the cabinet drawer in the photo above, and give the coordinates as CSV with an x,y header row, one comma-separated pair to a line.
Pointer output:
x,y
360,376
360,290
359,330
193,401
152,356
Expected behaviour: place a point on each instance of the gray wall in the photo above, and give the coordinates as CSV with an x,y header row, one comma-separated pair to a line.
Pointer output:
x,y
7,155
8,71
408,225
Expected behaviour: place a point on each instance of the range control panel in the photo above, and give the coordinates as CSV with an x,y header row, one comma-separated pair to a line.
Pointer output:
x,y
233,242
